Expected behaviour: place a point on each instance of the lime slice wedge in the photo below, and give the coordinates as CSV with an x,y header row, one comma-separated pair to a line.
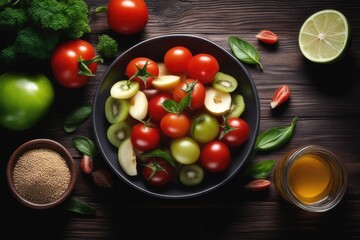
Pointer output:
x,y
324,36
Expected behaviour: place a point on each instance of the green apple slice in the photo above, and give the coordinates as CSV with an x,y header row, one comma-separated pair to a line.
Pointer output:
x,y
127,157
138,106
124,89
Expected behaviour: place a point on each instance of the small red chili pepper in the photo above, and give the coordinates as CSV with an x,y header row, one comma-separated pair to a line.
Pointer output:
x,y
86,164
267,36
281,95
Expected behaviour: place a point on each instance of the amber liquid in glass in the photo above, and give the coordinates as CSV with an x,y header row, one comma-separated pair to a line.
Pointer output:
x,y
310,178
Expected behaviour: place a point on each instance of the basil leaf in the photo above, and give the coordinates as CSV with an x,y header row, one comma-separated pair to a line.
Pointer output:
x,y
261,170
161,154
275,138
244,51
76,117
170,106
77,206
184,102
174,107
84,145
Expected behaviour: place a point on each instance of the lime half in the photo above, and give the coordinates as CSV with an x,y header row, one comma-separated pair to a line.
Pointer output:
x,y
324,36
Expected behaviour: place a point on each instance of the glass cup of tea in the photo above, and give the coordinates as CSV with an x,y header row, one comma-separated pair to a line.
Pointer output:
x,y
311,178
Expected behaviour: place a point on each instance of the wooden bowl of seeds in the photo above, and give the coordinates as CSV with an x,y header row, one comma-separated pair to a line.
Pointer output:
x,y
41,173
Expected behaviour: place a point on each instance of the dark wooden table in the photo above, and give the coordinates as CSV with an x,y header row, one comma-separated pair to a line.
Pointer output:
x,y
326,100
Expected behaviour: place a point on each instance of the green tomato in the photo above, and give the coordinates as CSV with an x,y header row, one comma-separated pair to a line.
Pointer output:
x,y
185,150
204,127
24,99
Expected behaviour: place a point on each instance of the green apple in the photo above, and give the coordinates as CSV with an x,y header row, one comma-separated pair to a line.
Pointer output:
x,y
24,99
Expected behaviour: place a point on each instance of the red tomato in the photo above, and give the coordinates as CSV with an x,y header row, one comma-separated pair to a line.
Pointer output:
x,y
158,172
215,156
236,131
65,63
145,137
176,59
175,125
155,108
195,88
203,67
267,36
127,16
144,74
257,185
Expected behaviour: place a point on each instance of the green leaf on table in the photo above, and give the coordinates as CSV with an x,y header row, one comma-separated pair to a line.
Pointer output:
x,y
244,51
275,138
84,145
76,117
77,206
261,170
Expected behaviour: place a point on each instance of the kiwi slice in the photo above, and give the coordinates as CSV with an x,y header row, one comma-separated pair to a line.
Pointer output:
x,y
224,82
118,132
116,110
191,174
237,106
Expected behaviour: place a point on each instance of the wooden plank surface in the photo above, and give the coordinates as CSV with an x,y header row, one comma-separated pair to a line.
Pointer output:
x,y
326,100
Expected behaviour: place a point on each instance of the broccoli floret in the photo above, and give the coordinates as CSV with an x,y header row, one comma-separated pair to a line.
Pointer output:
x,y
12,18
34,28
8,55
71,16
107,47
37,44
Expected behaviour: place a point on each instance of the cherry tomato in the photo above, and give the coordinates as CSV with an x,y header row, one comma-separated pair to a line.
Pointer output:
x,y
127,16
196,89
176,59
203,67
267,36
175,125
65,63
145,137
155,108
281,95
257,185
215,156
157,172
144,68
236,132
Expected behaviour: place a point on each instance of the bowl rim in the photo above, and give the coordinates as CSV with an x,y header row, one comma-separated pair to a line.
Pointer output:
x,y
201,192
34,144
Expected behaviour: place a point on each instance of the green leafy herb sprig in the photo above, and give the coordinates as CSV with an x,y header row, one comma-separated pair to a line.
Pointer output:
x,y
244,51
77,116
270,140
76,205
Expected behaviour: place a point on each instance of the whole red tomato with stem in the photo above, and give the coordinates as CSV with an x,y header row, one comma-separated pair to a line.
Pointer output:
x,y
235,132
176,123
74,62
176,59
142,69
193,87
157,172
127,16
215,156
203,67
145,137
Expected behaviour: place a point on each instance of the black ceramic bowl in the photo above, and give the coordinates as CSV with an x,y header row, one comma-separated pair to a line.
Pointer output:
x,y
155,49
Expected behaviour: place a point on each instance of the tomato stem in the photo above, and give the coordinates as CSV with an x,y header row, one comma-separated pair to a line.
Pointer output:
x,y
84,65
